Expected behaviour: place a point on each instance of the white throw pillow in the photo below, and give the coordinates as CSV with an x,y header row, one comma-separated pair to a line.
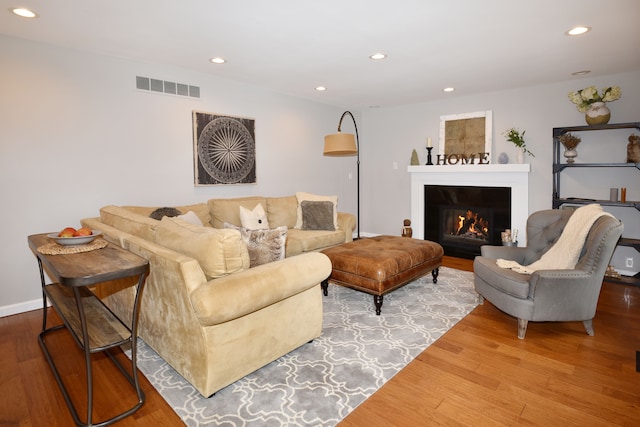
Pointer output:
x,y
255,219
191,218
315,198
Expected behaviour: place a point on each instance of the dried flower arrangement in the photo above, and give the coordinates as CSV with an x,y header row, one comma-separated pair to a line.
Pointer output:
x,y
569,141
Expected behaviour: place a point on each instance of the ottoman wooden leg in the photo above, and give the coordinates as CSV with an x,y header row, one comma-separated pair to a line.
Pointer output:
x,y
325,287
377,301
435,273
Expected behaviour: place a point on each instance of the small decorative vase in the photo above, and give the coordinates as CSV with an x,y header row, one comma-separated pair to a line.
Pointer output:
x,y
597,114
570,155
520,157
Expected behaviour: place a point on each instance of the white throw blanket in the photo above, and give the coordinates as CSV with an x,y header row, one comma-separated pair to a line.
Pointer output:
x,y
564,254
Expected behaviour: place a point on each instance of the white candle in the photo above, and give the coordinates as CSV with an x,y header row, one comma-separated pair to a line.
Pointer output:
x,y
429,142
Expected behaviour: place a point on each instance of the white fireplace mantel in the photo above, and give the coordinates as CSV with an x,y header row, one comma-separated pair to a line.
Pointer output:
x,y
514,176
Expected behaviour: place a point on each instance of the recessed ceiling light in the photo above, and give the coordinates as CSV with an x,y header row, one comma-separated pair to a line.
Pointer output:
x,y
580,73
218,60
378,55
25,13
320,88
576,31
448,89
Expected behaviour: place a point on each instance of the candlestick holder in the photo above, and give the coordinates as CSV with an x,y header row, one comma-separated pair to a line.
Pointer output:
x,y
429,162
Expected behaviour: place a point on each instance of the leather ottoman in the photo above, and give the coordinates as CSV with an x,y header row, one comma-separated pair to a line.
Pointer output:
x,y
378,265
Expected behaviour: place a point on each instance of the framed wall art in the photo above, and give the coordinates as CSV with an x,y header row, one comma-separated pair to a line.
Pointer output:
x,y
466,134
224,149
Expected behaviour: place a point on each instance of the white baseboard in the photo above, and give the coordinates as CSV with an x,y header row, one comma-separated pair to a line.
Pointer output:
x,y
23,307
626,272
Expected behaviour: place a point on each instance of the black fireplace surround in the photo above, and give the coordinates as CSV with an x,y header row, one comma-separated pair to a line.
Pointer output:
x,y
463,218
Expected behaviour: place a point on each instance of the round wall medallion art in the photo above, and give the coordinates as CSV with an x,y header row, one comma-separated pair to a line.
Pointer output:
x,y
226,152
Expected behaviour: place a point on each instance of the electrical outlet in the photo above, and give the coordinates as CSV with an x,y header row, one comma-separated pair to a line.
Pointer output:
x,y
629,263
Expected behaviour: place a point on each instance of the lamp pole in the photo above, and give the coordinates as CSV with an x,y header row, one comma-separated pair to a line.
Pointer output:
x,y
357,165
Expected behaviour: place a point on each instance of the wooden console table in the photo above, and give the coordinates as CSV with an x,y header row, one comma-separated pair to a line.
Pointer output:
x,y
94,327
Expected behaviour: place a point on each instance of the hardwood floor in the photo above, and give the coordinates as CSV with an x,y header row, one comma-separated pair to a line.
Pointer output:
x,y
479,373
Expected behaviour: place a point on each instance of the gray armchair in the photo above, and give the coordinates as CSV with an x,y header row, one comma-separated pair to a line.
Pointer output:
x,y
548,295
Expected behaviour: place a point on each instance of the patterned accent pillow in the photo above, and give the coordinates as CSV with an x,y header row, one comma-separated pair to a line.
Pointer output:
x,y
317,215
263,245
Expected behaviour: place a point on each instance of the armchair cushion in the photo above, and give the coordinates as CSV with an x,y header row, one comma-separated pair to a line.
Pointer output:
x,y
508,281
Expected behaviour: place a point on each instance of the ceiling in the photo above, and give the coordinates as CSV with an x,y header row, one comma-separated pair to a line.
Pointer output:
x,y
292,46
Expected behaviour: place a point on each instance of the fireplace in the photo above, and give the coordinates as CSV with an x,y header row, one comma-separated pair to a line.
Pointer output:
x,y
463,218
514,177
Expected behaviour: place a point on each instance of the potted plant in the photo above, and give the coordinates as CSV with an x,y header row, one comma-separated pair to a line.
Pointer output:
x,y
593,104
514,135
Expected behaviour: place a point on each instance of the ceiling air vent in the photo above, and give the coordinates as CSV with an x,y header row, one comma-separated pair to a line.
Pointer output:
x,y
170,88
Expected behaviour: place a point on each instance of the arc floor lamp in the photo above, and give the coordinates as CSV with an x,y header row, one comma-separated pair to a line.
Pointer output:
x,y
344,144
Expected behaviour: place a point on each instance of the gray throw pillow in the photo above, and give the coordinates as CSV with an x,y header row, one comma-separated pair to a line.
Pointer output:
x,y
317,215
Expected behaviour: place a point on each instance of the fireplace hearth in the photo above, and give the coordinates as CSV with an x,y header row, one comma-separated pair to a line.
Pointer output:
x,y
463,218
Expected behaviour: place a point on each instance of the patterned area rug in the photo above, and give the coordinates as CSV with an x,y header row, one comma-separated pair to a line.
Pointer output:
x,y
321,382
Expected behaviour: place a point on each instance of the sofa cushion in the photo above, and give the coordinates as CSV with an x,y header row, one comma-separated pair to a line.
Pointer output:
x,y
264,246
317,215
228,210
313,240
300,196
282,211
200,209
255,219
219,251
132,222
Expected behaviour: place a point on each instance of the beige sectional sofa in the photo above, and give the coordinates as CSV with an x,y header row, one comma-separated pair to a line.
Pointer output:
x,y
204,310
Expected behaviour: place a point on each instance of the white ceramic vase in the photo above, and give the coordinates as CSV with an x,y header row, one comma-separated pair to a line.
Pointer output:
x,y
570,155
597,114
520,157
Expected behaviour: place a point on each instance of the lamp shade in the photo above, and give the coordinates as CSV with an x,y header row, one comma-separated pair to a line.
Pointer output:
x,y
340,144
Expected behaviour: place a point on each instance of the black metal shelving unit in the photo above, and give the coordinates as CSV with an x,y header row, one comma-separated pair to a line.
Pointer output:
x,y
559,167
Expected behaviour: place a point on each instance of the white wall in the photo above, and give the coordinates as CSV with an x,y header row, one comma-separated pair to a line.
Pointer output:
x,y
390,134
76,135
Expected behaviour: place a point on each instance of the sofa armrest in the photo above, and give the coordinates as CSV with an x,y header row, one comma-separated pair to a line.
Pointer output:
x,y
223,299
347,223
110,233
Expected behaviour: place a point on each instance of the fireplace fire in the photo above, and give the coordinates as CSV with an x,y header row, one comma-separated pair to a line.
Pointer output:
x,y
470,226
462,219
